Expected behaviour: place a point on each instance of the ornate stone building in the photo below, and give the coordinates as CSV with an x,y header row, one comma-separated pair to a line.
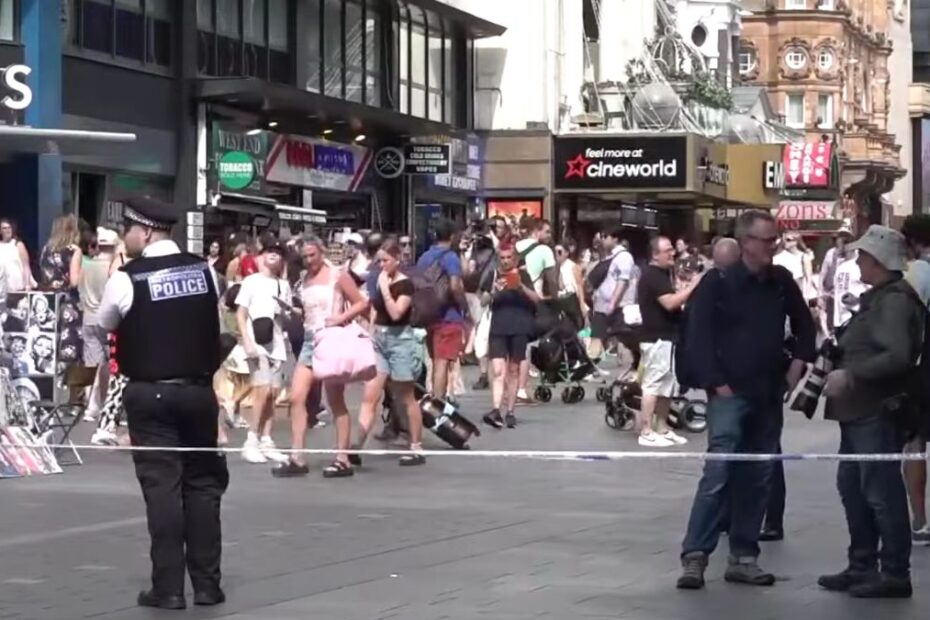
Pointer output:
x,y
826,65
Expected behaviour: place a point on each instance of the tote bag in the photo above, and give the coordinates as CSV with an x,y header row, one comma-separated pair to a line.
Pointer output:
x,y
343,353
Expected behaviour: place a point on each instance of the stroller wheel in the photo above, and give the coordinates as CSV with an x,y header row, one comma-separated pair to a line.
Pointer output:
x,y
602,394
543,394
611,420
577,394
693,417
567,395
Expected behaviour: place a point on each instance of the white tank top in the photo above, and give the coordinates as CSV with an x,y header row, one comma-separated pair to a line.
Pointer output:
x,y
321,301
567,284
12,266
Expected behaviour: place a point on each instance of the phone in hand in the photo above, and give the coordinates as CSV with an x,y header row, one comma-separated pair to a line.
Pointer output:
x,y
512,279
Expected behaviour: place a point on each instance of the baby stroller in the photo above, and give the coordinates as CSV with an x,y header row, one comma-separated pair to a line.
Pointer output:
x,y
624,399
560,357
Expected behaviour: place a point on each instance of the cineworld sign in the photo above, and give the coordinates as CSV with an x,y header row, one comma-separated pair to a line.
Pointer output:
x,y
620,162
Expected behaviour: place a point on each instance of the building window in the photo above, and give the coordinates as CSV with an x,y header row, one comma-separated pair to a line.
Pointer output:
x,y
417,63
747,60
239,38
825,60
344,47
699,35
435,68
373,45
795,59
825,111
133,30
795,5
8,20
794,110
826,5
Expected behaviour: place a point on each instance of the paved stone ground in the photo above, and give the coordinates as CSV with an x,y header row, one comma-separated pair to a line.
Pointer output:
x,y
460,538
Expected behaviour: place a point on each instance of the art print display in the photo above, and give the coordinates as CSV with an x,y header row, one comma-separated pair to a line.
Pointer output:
x,y
26,454
31,341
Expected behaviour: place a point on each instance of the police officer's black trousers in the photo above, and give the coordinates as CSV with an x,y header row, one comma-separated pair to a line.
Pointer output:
x,y
182,490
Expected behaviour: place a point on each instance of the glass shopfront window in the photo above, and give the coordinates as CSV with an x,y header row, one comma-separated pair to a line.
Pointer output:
x,y
138,31
245,38
372,55
354,50
435,67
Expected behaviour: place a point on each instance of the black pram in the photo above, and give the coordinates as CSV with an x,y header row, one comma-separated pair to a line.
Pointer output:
x,y
560,357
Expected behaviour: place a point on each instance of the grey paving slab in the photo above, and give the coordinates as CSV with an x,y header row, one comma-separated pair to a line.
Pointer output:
x,y
461,538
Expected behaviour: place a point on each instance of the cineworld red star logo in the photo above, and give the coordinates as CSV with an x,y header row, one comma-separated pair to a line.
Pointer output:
x,y
577,167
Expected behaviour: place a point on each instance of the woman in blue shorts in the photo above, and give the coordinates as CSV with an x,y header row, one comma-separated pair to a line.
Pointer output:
x,y
398,350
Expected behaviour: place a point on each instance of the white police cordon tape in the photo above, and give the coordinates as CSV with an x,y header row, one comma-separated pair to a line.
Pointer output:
x,y
557,455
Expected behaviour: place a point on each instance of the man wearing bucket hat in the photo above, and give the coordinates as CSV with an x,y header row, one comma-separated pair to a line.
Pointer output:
x,y
879,347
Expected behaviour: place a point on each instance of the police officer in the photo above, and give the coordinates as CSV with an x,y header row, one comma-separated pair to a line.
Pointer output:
x,y
163,307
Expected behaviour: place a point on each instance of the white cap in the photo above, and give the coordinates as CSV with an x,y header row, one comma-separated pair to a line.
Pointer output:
x,y
107,237
355,238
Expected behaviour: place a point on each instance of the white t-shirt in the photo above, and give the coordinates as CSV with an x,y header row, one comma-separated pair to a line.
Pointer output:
x,y
257,295
793,262
622,269
846,281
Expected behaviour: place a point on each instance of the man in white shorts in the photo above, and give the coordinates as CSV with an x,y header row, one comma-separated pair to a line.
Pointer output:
x,y
660,306
259,314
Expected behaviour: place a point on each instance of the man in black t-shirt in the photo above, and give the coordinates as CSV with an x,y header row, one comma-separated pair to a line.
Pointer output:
x,y
660,306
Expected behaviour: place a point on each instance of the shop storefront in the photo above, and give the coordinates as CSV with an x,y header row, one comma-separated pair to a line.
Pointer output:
x,y
641,182
291,184
453,194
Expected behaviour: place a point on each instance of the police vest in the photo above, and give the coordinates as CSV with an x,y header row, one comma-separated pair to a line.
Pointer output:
x,y
172,329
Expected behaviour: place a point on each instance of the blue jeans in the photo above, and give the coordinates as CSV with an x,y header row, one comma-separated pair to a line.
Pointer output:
x,y
874,498
735,424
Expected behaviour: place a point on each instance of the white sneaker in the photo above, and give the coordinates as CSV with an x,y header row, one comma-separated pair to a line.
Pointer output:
x,y
674,437
252,451
91,415
271,452
103,437
654,440
521,394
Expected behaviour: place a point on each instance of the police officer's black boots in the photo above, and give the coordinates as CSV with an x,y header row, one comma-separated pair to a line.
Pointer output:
x,y
150,598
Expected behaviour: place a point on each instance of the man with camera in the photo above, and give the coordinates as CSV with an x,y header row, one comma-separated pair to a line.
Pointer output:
x,y
734,348
867,394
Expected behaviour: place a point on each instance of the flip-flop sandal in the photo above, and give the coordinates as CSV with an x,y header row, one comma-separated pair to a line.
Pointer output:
x,y
338,469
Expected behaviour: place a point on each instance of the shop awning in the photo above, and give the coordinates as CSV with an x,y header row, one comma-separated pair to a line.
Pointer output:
x,y
259,205
287,213
475,27
281,101
20,139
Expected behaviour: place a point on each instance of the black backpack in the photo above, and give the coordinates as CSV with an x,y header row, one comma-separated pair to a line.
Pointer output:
x,y
430,292
919,390
595,278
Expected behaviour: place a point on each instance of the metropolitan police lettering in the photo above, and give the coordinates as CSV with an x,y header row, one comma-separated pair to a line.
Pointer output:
x,y
176,282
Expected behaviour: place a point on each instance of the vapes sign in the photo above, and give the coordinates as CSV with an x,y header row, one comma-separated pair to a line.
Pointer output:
x,y
615,162
16,93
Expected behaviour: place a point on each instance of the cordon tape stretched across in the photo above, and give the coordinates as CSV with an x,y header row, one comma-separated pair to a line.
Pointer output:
x,y
557,455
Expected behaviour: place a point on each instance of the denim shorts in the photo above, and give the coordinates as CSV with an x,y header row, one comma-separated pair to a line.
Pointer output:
x,y
398,351
306,350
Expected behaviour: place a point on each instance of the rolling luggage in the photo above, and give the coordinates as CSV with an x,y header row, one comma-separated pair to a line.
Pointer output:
x,y
444,420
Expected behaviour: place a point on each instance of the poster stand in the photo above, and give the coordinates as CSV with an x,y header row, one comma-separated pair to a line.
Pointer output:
x,y
31,343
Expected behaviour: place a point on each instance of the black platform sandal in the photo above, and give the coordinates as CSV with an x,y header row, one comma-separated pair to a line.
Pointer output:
x,y
412,460
338,469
